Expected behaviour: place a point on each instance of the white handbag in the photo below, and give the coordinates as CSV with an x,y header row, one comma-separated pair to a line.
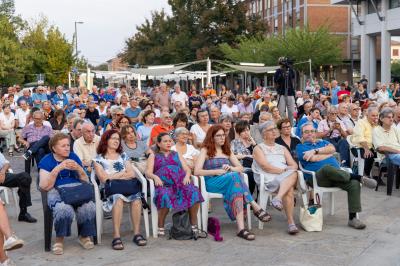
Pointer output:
x,y
311,218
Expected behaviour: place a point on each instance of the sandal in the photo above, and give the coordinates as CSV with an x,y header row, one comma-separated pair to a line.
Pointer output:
x,y
117,244
139,240
86,243
262,215
161,231
246,234
58,249
10,153
195,231
277,204
292,229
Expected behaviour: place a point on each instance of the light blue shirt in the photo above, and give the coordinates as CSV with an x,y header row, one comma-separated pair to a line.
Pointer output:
x,y
335,99
3,161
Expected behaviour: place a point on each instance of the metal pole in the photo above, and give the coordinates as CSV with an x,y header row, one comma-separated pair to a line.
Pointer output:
x,y
208,71
69,80
310,71
76,38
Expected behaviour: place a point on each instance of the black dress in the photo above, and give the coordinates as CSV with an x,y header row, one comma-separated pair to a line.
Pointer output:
x,y
293,144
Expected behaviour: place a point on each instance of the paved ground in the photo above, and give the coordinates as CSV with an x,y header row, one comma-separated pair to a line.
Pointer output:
x,y
338,244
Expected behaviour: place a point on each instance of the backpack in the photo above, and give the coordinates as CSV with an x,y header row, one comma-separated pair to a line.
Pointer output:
x,y
181,228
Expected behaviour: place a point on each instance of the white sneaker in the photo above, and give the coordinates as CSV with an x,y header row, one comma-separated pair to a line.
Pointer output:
x,y
13,242
8,262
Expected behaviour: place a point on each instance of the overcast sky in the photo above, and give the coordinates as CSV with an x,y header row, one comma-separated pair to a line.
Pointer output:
x,y
107,23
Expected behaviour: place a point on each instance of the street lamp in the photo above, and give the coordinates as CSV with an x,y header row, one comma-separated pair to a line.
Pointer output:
x,y
76,38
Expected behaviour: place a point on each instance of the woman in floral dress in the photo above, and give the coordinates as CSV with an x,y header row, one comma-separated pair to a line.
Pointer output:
x,y
112,163
171,177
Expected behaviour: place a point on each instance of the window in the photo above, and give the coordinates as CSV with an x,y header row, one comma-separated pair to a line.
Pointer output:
x,y
394,4
395,52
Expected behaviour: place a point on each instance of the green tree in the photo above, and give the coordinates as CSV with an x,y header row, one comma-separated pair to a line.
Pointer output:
x,y
193,31
12,57
48,51
395,69
299,44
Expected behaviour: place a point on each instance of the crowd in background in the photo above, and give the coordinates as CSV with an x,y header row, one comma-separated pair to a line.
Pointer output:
x,y
170,134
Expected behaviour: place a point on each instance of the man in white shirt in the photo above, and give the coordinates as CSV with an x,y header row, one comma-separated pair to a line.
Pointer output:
x,y
179,95
85,146
230,108
21,115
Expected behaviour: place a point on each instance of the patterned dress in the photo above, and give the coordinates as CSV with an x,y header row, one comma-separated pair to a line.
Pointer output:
x,y
231,185
111,167
173,194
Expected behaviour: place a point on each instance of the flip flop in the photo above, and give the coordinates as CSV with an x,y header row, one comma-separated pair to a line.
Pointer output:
x,y
246,234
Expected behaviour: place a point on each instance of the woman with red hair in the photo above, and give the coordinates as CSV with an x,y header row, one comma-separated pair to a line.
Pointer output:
x,y
221,170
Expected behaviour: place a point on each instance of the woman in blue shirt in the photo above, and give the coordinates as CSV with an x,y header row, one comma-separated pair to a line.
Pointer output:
x,y
64,168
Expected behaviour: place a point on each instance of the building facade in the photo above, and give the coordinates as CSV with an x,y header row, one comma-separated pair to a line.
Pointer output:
x,y
281,15
375,22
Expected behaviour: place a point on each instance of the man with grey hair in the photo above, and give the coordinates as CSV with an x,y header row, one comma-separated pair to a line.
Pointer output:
x,y
60,100
362,139
76,132
26,96
162,99
386,137
85,147
164,126
35,137
317,155
179,96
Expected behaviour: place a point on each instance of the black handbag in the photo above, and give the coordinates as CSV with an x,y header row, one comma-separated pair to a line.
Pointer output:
x,y
76,195
124,187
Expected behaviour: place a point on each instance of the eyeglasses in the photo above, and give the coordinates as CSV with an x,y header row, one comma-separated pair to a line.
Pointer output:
x,y
119,114
333,113
309,131
220,136
286,127
115,138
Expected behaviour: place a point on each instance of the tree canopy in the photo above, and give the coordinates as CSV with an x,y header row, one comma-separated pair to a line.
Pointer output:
x,y
298,44
193,31
27,50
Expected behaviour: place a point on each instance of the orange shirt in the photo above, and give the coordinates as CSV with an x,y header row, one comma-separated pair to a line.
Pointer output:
x,y
209,92
156,130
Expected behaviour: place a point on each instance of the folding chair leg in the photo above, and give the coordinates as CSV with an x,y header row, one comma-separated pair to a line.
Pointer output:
x,y
146,222
204,214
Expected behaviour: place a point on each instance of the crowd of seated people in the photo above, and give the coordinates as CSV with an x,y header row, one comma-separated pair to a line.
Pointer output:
x,y
170,135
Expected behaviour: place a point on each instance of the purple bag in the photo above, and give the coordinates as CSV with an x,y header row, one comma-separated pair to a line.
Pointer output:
x,y
214,228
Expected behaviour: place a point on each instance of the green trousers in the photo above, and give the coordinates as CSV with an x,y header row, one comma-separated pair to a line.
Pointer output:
x,y
329,176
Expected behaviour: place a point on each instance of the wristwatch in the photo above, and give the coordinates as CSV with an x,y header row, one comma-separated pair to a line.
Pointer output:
x,y
316,151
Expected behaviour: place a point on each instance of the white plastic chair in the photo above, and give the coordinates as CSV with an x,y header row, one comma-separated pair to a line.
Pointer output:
x,y
14,190
154,211
359,158
264,196
207,196
99,204
321,190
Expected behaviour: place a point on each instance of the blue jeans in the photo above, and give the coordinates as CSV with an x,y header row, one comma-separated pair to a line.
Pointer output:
x,y
395,158
343,148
